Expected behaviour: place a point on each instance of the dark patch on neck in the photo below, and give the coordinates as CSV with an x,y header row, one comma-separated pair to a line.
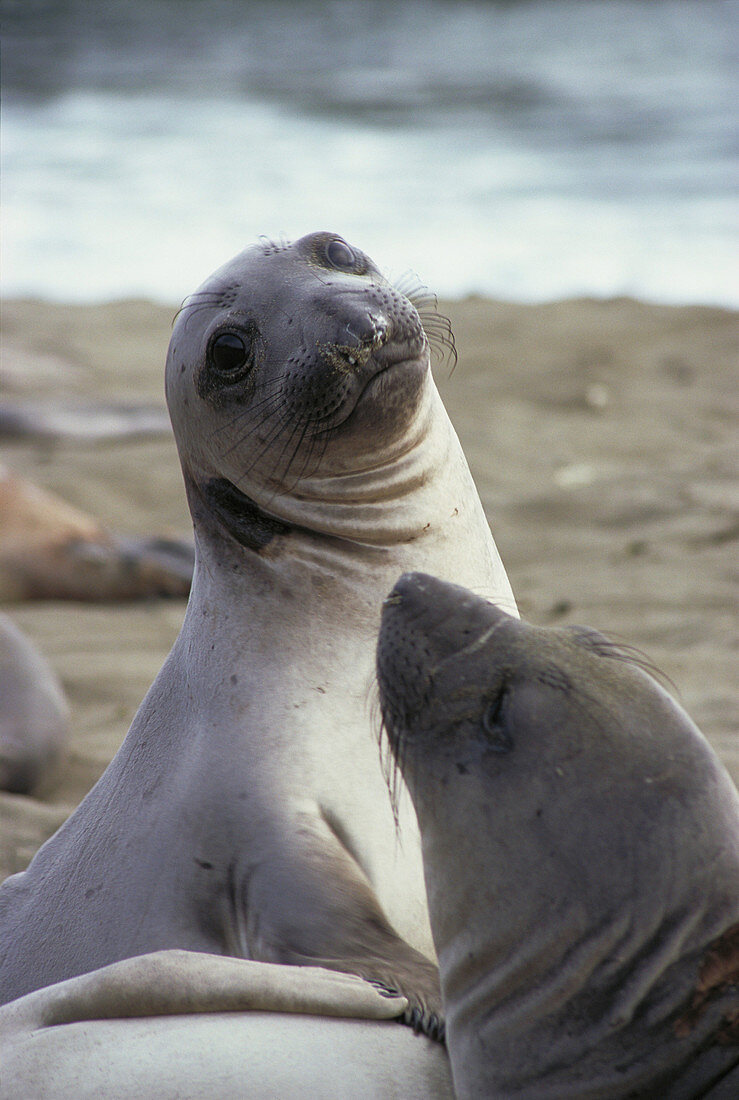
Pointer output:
x,y
241,517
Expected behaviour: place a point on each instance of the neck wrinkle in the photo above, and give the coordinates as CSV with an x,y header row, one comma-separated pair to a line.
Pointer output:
x,y
391,503
351,534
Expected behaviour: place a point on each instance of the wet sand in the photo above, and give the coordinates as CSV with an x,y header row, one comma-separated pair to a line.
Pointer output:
x,y
602,436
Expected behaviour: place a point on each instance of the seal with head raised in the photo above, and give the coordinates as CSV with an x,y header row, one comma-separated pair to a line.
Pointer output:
x,y
246,812
581,851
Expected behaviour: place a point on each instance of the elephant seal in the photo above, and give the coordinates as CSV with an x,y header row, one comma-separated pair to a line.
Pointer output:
x,y
246,812
581,850
34,714
50,550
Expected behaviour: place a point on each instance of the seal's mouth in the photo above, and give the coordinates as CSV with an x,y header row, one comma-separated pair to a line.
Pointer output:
x,y
400,351
400,365
409,354
372,373
370,359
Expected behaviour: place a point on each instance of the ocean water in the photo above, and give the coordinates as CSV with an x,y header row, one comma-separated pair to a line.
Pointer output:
x,y
528,150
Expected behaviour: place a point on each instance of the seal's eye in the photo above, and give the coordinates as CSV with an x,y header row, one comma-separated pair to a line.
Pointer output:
x,y
228,353
493,722
340,255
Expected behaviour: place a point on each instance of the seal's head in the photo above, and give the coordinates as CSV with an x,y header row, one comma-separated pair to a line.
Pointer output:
x,y
291,356
580,839
463,683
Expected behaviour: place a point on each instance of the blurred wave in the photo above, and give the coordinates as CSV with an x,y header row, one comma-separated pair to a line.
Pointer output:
x,y
527,150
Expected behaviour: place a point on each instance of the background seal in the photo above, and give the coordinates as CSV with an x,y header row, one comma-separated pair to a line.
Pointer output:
x,y
34,714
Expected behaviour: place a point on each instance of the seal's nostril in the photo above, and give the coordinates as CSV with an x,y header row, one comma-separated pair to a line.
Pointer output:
x,y
369,331
379,335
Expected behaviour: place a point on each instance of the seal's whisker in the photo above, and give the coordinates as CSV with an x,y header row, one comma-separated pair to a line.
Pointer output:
x,y
267,399
270,400
245,415
621,651
271,244
393,763
409,284
252,424
266,445
221,294
437,326
438,329
318,441
301,425
308,457
188,304
391,772
197,309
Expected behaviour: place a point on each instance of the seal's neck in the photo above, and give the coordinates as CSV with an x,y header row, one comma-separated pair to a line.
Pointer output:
x,y
350,532
386,501
392,494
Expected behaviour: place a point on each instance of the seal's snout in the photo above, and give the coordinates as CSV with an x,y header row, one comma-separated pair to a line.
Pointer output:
x,y
426,621
448,615
421,599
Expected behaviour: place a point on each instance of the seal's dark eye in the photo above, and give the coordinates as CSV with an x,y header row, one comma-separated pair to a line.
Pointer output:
x,y
228,353
493,722
340,255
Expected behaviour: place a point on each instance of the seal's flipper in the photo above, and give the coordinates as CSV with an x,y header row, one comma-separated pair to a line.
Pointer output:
x,y
175,982
310,904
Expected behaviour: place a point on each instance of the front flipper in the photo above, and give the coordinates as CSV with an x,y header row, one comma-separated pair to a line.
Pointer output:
x,y
176,982
308,903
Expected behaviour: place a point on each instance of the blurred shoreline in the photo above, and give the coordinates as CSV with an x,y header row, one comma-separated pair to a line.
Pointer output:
x,y
524,150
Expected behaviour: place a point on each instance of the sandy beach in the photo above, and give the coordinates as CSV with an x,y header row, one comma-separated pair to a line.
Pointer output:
x,y
601,434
